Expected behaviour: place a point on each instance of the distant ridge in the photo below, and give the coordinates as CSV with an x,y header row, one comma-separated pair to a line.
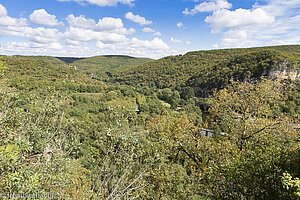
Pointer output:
x,y
210,69
73,59
118,56
69,59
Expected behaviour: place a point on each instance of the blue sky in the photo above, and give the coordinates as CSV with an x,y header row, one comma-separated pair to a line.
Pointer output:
x,y
144,28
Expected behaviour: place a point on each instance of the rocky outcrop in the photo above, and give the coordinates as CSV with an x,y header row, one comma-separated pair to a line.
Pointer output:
x,y
277,70
283,70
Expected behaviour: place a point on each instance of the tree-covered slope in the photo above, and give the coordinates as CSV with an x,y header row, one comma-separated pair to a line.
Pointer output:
x,y
100,66
252,65
176,70
36,72
73,136
49,59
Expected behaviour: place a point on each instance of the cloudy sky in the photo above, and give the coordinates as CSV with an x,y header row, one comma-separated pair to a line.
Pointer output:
x,y
143,28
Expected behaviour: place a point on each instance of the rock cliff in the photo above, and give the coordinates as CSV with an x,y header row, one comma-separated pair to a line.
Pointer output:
x,y
283,70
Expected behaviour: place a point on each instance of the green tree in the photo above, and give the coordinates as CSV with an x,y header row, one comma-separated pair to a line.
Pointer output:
x,y
179,161
35,148
263,141
187,93
292,185
245,110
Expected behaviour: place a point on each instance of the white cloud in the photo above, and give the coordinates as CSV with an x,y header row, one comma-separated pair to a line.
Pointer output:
x,y
179,24
273,23
280,8
137,47
148,30
215,46
137,19
101,3
110,36
9,21
188,42
235,38
155,44
86,35
268,22
18,28
79,34
137,44
81,37
157,34
51,46
106,24
80,22
113,25
111,39
30,48
42,35
282,31
41,17
208,6
3,11
38,35
241,17
110,24
174,40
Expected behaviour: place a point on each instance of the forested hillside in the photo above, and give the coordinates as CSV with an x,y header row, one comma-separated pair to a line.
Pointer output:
x,y
100,67
204,125
254,65
37,73
177,70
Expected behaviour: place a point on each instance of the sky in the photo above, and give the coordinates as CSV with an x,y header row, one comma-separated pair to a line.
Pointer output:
x,y
144,28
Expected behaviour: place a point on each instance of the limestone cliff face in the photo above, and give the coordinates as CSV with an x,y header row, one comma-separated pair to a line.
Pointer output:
x,y
282,71
279,70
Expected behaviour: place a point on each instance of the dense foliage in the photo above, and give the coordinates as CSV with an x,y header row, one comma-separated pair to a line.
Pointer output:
x,y
206,125
204,66
242,67
101,67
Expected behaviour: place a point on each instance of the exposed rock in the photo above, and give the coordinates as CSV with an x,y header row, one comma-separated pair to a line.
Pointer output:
x,y
279,70
283,71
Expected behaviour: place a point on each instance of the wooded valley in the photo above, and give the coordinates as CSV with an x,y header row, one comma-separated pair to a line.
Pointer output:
x,y
219,124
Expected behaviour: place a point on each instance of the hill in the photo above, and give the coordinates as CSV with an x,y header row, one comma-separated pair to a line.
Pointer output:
x,y
100,66
28,73
248,66
68,134
178,70
69,59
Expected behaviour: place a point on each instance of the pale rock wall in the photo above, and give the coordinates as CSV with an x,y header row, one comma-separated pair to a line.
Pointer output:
x,y
282,71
